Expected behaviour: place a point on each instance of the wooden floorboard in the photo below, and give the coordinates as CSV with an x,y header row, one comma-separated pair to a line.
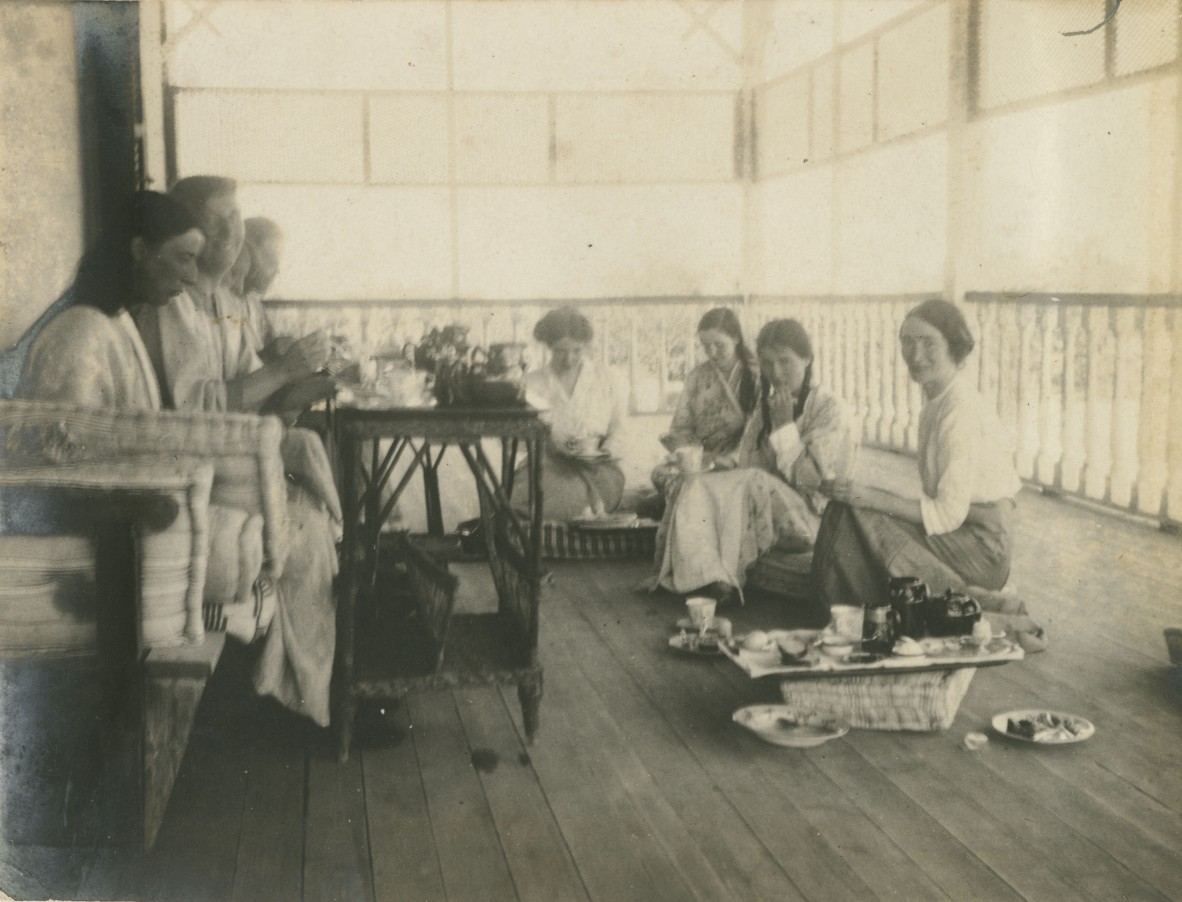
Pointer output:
x,y
542,867
405,862
640,787
468,846
270,860
336,839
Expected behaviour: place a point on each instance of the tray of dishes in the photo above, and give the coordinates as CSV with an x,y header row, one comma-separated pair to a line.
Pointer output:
x,y
804,654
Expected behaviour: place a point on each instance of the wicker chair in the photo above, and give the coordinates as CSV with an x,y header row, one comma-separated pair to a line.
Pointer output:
x,y
104,543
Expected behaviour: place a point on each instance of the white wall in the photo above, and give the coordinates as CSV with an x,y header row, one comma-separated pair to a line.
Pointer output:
x,y
41,221
538,149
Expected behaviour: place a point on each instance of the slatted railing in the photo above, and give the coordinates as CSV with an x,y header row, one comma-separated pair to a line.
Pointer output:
x,y
1090,386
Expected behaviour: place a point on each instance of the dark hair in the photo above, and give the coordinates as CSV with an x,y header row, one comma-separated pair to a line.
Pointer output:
x,y
104,277
721,319
563,322
947,319
790,334
196,190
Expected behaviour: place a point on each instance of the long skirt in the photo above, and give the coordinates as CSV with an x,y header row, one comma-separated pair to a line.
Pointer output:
x,y
295,665
572,488
718,524
859,550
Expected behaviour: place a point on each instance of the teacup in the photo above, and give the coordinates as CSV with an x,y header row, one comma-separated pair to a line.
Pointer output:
x,y
588,446
689,459
701,612
847,621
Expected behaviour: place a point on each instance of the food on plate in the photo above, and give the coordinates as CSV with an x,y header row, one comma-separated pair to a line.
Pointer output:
x,y
1046,727
758,640
907,647
792,646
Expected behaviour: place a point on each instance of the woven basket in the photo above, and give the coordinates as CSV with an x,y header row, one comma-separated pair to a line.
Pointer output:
x,y
904,701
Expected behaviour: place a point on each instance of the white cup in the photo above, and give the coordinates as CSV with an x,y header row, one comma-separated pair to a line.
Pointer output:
x,y
701,612
847,621
689,459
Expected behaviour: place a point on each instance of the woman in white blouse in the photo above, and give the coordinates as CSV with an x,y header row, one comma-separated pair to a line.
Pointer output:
x,y
957,534
584,408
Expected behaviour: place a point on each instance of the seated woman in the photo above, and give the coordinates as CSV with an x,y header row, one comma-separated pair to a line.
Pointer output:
x,y
718,397
719,523
584,408
92,354
958,533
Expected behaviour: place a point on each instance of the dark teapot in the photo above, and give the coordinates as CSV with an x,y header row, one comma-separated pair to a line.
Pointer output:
x,y
952,614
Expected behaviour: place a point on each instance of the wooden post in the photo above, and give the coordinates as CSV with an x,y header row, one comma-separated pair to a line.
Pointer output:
x,y
1126,404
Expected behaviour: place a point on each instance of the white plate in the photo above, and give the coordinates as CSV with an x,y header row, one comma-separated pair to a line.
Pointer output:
x,y
1001,722
785,726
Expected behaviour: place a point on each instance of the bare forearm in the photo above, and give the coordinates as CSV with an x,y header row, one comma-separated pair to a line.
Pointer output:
x,y
247,393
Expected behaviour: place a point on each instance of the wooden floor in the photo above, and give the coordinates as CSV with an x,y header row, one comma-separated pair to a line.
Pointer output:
x,y
639,787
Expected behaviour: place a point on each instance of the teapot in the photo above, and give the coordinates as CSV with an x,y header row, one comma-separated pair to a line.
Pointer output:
x,y
952,614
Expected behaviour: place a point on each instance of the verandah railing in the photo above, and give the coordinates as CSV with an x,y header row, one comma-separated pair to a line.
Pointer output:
x,y
1090,386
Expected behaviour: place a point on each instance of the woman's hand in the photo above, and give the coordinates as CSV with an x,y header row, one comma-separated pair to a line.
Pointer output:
x,y
725,462
307,355
844,490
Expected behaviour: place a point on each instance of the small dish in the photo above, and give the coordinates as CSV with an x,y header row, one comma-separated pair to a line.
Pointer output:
x,y
722,626
786,727
836,650
690,643
1054,727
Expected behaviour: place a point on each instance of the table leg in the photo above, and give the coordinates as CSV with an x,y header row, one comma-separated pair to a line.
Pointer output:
x,y
431,494
529,693
345,703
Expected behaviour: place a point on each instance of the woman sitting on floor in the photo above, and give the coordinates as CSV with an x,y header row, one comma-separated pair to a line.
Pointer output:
x,y
718,397
719,523
584,409
958,533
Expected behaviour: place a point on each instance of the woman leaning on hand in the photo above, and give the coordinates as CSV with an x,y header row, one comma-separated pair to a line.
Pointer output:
x,y
719,523
958,534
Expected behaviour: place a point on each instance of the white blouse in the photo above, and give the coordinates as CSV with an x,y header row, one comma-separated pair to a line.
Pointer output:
x,y
965,457
594,408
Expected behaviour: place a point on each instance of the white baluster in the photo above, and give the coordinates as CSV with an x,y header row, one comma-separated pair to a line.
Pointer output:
x,y
1008,367
1028,401
1099,403
1074,400
1050,331
888,358
1126,404
902,403
873,372
1174,431
1155,397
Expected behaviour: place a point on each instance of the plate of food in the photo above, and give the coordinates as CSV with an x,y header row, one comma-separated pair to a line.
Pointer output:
x,y
787,727
1043,727
690,642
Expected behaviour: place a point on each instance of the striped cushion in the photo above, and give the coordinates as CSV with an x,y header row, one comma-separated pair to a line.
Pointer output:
x,y
561,542
243,449
48,595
